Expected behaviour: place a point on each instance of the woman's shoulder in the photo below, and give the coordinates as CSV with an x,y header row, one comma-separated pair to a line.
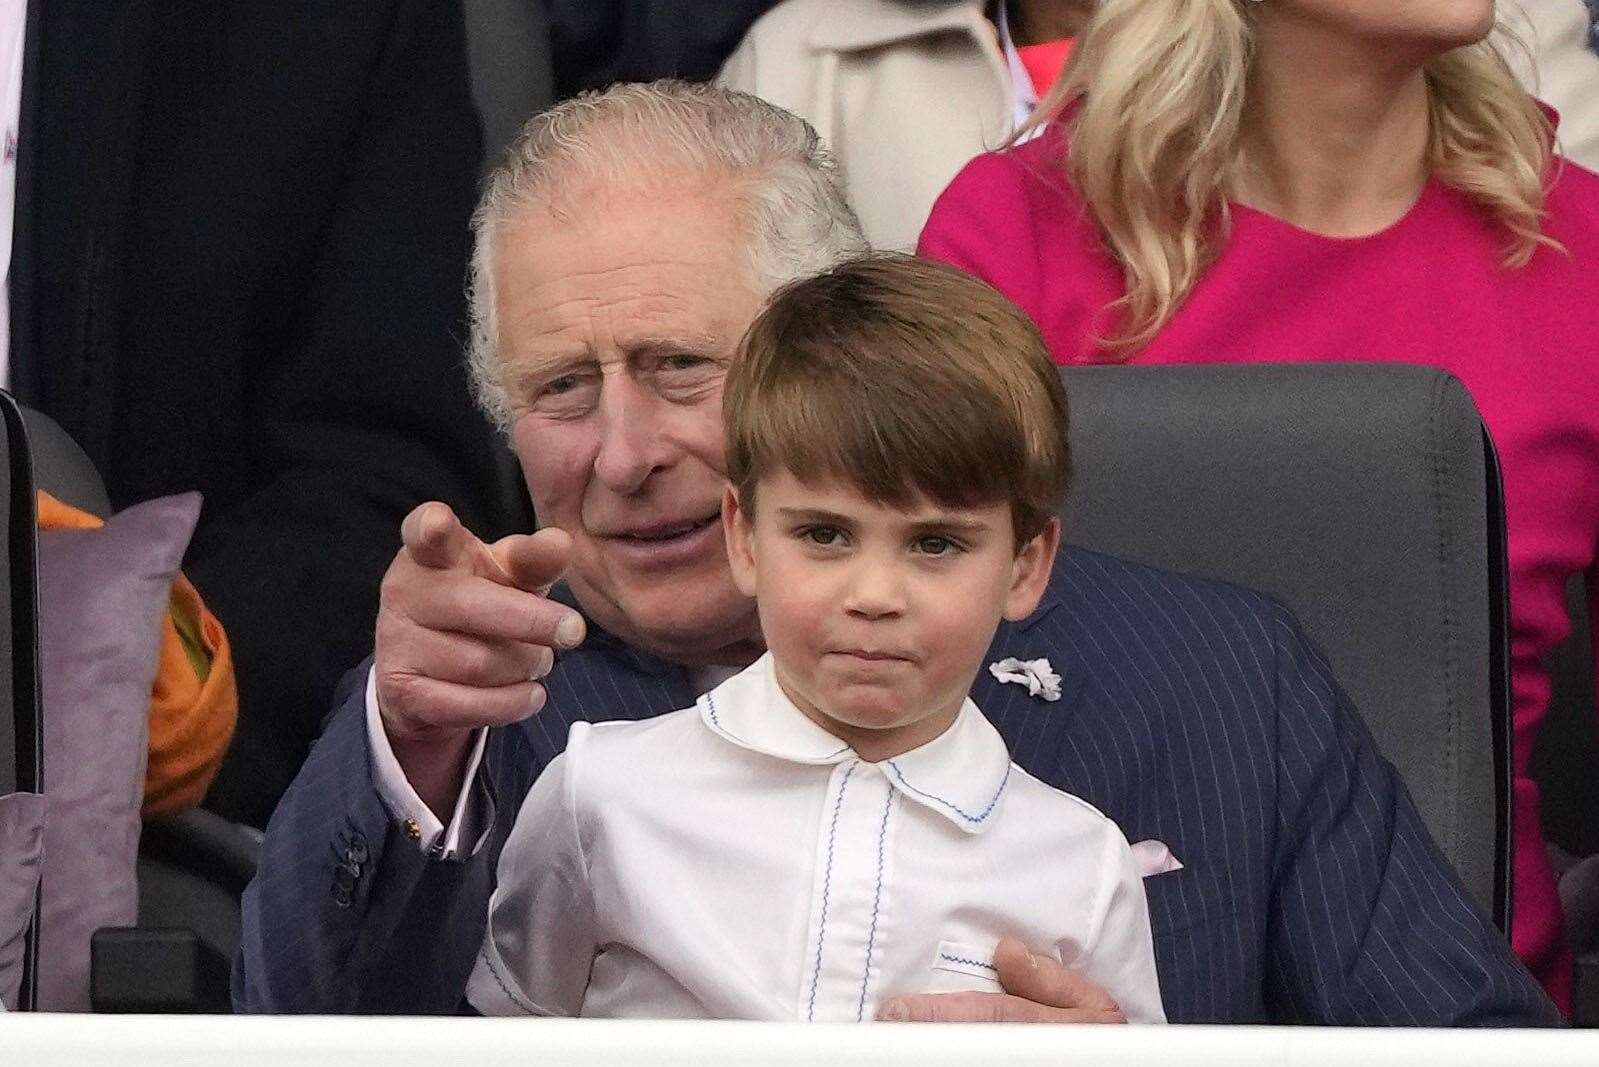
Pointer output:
x,y
1573,202
1023,187
1027,170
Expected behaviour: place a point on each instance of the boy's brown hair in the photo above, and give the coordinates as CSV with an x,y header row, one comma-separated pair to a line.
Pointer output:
x,y
896,375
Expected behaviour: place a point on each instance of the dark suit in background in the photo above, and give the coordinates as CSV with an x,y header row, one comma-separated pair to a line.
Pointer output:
x,y
240,246
596,42
1191,713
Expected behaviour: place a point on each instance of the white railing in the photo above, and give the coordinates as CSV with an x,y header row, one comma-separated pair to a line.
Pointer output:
x,y
379,1041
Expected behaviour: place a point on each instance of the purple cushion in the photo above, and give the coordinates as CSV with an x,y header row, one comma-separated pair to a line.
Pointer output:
x,y
21,845
102,595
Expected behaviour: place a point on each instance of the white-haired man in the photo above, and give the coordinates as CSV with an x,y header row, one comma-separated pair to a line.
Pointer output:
x,y
622,250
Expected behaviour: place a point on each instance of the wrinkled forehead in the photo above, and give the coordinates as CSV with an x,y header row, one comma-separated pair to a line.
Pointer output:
x,y
620,268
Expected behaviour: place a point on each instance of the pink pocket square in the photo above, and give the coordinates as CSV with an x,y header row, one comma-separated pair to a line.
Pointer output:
x,y
1153,857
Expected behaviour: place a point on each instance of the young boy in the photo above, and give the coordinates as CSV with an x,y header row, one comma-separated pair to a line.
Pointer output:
x,y
838,823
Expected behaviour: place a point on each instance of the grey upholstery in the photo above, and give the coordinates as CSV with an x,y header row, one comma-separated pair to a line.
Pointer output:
x,y
61,468
1359,496
508,53
21,725
192,866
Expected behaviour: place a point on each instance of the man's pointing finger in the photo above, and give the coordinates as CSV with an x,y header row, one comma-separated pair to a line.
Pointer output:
x,y
434,537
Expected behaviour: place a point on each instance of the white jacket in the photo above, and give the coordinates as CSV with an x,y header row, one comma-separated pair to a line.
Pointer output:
x,y
905,92
1565,72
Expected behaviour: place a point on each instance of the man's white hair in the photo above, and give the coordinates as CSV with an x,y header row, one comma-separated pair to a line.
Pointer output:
x,y
780,177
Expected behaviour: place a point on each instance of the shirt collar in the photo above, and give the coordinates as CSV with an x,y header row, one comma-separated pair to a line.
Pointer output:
x,y
961,774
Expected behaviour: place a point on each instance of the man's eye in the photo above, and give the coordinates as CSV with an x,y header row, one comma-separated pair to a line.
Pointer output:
x,y
936,546
683,361
821,535
565,395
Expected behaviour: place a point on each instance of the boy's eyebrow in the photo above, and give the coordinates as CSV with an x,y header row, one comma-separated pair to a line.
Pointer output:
x,y
932,524
950,524
813,515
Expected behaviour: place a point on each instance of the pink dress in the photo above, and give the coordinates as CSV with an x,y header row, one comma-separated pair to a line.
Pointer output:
x,y
1427,290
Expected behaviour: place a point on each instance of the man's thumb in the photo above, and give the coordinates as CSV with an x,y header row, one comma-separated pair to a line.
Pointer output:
x,y
1044,980
535,561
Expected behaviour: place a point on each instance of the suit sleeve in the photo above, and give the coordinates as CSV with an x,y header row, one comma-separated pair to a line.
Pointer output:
x,y
345,914
542,936
362,413
1369,924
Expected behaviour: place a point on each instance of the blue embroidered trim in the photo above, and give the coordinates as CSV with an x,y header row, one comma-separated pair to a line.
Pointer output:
x,y
969,963
877,900
979,817
515,998
710,705
827,882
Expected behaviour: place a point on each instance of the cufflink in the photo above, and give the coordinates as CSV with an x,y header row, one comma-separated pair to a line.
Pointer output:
x,y
413,829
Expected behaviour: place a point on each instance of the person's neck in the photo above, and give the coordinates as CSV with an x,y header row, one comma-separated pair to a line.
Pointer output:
x,y
1040,21
1337,138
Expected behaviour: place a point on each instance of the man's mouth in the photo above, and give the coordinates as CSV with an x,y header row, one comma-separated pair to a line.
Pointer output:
x,y
665,546
666,531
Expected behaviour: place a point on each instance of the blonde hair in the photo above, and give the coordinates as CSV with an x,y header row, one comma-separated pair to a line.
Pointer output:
x,y
1153,103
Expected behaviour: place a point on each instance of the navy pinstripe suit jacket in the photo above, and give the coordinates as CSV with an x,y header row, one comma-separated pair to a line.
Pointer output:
x,y
1192,712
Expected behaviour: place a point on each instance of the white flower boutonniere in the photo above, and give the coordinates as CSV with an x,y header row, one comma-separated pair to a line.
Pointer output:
x,y
1035,674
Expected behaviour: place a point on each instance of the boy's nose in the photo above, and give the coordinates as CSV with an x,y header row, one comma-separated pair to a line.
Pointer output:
x,y
875,592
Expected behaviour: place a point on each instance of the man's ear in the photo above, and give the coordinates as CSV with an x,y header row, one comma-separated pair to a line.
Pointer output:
x,y
738,532
1030,575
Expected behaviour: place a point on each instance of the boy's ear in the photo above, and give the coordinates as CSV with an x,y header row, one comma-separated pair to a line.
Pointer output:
x,y
1030,575
737,532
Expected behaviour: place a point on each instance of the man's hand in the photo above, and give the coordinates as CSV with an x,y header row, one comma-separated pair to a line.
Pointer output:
x,y
1037,990
464,632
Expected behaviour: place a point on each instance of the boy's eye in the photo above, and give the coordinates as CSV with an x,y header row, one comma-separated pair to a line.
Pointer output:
x,y
936,546
821,535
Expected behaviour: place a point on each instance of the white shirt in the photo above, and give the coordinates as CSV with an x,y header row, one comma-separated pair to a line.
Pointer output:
x,y
405,805
13,27
736,861
1023,98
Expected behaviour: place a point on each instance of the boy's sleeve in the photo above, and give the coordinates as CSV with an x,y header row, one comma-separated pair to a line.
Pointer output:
x,y
541,936
1120,954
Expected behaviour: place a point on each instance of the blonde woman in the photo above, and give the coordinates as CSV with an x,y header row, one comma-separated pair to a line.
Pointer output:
x,y
1232,180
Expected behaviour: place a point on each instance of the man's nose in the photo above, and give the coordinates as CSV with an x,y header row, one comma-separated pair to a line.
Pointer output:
x,y
632,446
876,590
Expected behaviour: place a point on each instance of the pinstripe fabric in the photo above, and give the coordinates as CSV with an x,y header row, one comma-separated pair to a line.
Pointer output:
x,y
1192,712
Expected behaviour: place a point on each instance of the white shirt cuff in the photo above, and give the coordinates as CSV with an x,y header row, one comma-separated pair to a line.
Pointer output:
x,y
398,795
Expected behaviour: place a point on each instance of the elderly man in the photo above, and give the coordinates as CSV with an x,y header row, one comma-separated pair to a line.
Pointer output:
x,y
622,249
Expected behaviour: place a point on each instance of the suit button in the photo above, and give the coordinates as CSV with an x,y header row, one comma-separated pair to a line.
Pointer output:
x,y
341,896
356,854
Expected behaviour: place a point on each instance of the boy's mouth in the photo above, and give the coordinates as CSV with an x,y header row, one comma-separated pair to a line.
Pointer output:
x,y
875,655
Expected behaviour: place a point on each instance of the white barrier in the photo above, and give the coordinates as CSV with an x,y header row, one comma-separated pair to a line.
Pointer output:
x,y
387,1041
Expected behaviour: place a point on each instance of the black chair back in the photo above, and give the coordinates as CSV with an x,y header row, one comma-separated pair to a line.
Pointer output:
x,y
1366,499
